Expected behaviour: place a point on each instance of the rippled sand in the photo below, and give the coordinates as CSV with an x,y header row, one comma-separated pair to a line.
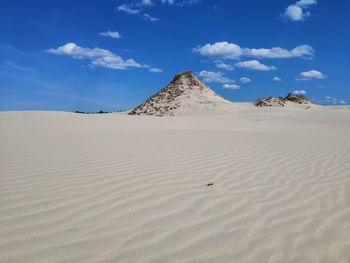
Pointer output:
x,y
118,188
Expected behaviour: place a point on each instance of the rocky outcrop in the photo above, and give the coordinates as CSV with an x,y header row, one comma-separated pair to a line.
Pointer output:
x,y
281,101
270,102
185,94
300,99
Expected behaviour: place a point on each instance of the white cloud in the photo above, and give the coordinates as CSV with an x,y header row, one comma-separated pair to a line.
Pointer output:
x,y
276,78
297,12
128,9
115,62
299,92
222,65
245,80
150,18
303,51
226,50
223,50
112,34
156,70
209,76
138,6
145,3
312,74
332,100
73,50
254,65
277,52
305,3
98,57
230,86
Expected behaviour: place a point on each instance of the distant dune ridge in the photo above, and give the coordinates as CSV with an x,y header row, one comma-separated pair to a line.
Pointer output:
x,y
187,95
282,101
184,95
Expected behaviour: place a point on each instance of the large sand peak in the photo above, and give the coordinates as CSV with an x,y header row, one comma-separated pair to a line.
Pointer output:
x,y
184,95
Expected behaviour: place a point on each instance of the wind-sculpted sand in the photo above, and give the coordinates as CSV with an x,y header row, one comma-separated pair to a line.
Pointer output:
x,y
119,188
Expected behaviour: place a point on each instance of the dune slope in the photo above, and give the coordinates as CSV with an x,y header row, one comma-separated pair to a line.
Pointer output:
x,y
184,95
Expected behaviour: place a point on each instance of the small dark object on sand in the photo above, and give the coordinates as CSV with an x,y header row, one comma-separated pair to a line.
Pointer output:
x,y
210,184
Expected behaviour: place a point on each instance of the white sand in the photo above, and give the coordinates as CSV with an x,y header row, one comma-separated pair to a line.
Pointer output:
x,y
118,188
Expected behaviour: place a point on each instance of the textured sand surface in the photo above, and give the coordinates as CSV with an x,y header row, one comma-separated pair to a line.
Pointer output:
x,y
118,188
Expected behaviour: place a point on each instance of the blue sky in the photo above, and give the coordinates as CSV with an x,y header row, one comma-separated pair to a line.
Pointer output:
x,y
111,55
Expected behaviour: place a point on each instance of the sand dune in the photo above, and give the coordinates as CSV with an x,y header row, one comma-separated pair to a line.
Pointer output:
x,y
119,188
184,95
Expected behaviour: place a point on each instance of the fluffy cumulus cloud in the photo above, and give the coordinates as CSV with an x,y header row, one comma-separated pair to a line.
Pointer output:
x,y
222,50
98,57
335,101
276,79
230,86
210,76
222,65
75,51
226,50
245,80
254,65
312,74
298,11
112,34
299,92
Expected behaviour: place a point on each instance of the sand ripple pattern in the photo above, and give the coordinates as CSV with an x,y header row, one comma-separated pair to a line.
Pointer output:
x,y
141,196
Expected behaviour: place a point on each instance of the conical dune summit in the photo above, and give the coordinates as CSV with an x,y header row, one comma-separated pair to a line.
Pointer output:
x,y
184,95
